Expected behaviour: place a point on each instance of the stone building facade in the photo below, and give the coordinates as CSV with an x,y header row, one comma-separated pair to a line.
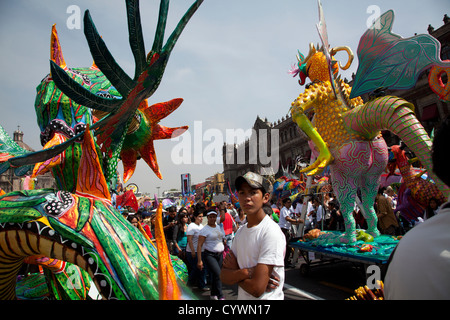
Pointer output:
x,y
291,143
215,184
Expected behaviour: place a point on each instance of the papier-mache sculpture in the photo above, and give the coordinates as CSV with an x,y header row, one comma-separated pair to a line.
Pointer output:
x,y
346,131
89,118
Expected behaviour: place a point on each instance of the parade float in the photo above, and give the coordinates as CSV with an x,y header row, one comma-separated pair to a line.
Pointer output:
x,y
89,119
287,187
416,189
346,131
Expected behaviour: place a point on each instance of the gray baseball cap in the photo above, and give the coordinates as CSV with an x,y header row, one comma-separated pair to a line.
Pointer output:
x,y
255,181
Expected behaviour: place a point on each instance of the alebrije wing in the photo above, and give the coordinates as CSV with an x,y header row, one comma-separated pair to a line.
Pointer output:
x,y
386,60
8,150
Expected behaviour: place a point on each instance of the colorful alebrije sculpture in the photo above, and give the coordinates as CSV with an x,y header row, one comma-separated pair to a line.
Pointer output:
x,y
89,117
414,192
59,280
346,131
422,190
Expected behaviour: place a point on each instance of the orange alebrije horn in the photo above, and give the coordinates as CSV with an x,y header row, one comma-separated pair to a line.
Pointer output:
x,y
91,180
167,283
55,49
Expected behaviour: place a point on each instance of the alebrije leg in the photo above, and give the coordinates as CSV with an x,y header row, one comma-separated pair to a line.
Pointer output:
x,y
371,182
369,211
345,191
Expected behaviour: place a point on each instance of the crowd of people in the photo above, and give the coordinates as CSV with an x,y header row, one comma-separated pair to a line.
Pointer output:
x,y
203,245
323,213
200,245
247,243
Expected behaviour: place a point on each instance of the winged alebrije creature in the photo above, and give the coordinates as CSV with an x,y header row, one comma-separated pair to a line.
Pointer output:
x,y
89,117
346,130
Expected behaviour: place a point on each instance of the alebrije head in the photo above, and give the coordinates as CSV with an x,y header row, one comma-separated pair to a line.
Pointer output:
x,y
315,67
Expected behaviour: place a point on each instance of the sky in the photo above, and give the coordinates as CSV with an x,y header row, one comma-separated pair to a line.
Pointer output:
x,y
230,64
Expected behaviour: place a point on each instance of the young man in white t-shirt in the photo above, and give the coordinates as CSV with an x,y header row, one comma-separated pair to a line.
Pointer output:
x,y
256,259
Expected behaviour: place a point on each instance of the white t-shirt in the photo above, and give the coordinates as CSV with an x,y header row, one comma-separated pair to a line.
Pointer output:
x,y
239,221
420,267
319,213
298,208
214,238
193,230
283,223
263,243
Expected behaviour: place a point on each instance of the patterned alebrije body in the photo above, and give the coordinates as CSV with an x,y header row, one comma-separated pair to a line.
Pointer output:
x,y
32,287
328,111
358,165
59,116
66,280
82,231
69,282
422,190
358,162
396,115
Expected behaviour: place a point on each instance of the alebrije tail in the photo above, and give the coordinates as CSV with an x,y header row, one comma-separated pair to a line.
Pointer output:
x,y
396,115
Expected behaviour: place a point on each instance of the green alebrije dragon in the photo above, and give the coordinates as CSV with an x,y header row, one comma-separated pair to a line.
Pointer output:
x,y
89,118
